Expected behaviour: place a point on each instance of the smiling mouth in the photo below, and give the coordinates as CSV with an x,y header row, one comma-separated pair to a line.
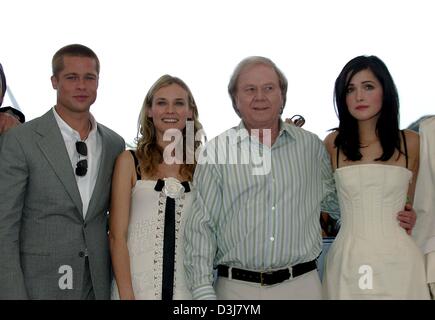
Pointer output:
x,y
170,120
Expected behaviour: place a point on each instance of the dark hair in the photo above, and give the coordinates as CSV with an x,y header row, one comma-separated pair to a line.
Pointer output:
x,y
3,83
72,50
387,126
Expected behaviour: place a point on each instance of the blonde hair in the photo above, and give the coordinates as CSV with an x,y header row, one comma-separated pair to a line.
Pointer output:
x,y
148,152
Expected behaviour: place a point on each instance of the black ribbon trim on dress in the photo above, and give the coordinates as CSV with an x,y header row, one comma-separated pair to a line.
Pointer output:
x,y
161,183
169,243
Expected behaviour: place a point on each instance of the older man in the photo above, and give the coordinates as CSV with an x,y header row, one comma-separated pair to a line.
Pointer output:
x,y
256,217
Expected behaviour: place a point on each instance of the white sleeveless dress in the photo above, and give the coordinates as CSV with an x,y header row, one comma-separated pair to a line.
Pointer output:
x,y
373,257
145,242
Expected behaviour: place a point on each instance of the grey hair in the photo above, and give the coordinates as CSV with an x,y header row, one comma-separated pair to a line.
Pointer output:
x,y
254,60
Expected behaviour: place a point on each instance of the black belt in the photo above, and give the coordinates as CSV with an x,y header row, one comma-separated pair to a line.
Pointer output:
x,y
269,277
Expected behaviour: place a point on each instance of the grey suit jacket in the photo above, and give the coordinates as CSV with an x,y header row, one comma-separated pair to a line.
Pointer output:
x,y
42,231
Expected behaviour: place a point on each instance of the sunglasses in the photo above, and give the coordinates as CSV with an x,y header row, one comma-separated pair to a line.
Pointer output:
x,y
82,165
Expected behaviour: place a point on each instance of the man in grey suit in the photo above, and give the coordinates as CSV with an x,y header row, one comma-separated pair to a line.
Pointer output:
x,y
55,179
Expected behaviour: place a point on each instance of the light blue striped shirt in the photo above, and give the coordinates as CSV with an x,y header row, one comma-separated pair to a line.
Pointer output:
x,y
259,214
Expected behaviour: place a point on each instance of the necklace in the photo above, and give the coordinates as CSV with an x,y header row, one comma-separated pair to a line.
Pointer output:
x,y
365,145
89,131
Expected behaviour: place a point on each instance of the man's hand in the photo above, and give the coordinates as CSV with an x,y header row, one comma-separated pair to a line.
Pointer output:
x,y
7,121
432,290
297,120
407,218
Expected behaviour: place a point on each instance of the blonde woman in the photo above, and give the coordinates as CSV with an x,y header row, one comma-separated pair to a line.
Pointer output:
x,y
152,194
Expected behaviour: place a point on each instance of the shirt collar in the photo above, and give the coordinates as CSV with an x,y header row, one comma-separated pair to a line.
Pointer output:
x,y
285,129
67,131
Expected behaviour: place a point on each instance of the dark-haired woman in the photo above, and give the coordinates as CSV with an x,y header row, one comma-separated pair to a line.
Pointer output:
x,y
376,166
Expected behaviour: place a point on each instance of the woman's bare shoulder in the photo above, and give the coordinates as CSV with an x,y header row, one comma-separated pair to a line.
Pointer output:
x,y
329,141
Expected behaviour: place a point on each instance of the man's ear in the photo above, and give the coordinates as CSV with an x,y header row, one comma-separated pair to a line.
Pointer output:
x,y
54,82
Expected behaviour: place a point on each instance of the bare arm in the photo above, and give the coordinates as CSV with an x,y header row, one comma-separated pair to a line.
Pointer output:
x,y
407,217
123,180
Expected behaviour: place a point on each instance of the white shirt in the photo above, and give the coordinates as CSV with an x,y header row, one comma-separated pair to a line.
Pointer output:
x,y
424,199
70,136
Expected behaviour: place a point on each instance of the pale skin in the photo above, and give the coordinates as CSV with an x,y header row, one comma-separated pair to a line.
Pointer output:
x,y
364,100
169,110
259,99
7,121
76,86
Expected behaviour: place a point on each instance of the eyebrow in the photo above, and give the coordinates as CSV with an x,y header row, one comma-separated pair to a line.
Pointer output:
x,y
364,82
76,74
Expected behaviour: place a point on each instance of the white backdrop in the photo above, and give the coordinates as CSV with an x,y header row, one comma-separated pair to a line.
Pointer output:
x,y
202,41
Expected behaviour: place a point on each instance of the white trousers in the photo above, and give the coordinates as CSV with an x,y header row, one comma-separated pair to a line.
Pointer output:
x,y
304,287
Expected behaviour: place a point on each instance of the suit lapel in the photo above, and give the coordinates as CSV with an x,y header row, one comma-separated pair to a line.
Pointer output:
x,y
104,170
53,147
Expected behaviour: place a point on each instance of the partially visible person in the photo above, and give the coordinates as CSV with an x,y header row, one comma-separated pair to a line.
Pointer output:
x,y
152,197
424,231
376,166
415,126
55,174
9,117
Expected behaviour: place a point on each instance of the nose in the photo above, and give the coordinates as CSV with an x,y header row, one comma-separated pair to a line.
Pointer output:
x,y
170,108
81,83
359,95
259,95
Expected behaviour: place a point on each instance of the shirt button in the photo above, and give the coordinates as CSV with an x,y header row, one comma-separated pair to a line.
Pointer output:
x,y
272,238
273,208
81,254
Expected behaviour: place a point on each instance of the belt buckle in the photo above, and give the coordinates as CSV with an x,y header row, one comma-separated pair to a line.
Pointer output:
x,y
262,273
262,279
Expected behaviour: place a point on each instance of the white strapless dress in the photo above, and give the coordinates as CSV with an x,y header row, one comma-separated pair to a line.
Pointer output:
x,y
372,256
145,242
